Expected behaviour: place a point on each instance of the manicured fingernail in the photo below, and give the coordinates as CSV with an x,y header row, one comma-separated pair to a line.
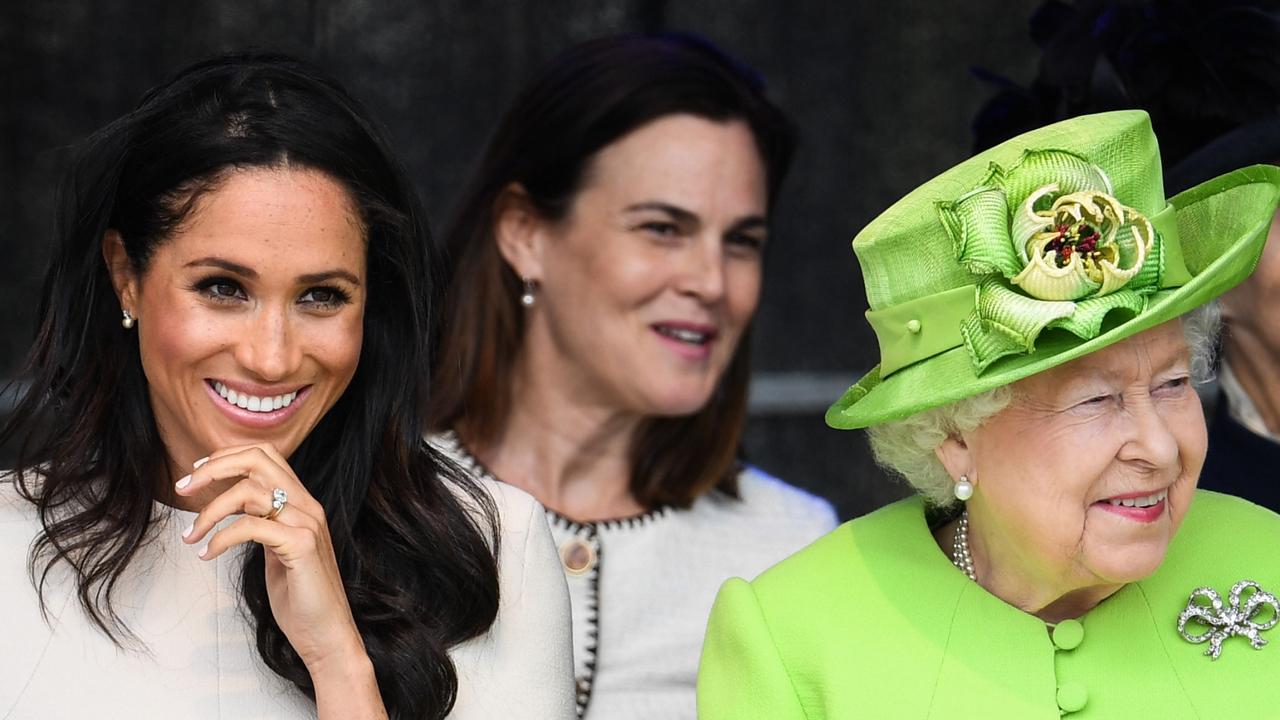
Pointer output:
x,y
184,482
187,533
204,550
200,462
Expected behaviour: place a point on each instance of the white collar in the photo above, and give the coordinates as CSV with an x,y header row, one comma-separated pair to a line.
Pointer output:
x,y
1241,406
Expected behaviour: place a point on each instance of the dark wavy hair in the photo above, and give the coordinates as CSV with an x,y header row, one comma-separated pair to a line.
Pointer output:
x,y
1199,68
417,559
584,100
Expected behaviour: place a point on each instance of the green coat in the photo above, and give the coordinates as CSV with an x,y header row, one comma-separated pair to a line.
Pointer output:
x,y
873,621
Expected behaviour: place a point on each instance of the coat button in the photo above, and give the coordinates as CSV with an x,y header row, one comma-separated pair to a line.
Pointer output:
x,y
577,556
1068,635
913,327
1072,697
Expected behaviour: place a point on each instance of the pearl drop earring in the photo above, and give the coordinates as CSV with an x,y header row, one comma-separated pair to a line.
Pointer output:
x,y
528,298
964,488
127,322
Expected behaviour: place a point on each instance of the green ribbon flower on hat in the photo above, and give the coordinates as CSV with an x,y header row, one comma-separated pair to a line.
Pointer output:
x,y
1085,244
1054,249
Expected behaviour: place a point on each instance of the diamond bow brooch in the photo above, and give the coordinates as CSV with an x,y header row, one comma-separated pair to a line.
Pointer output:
x,y
1244,614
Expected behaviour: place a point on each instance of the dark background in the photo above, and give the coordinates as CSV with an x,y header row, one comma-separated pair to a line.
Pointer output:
x,y
881,91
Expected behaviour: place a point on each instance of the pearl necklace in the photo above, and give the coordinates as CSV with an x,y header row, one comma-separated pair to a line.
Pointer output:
x,y
960,556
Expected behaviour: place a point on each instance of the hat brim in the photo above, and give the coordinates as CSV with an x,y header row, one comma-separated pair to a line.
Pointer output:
x,y
1223,225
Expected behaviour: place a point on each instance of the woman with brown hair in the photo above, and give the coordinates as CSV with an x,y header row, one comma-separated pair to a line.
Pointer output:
x,y
607,263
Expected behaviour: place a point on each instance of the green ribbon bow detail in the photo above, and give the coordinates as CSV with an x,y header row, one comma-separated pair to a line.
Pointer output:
x,y
1053,248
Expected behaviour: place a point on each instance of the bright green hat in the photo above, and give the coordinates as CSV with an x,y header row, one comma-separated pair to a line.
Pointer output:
x,y
1040,250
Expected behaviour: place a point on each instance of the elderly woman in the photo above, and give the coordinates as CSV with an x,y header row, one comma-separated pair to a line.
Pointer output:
x,y
1036,308
608,262
222,495
1212,116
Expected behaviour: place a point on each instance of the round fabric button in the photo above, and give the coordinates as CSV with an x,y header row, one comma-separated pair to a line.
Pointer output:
x,y
913,327
1072,697
577,556
1068,635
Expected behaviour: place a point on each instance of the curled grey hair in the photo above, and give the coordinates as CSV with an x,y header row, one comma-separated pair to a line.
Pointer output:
x,y
906,447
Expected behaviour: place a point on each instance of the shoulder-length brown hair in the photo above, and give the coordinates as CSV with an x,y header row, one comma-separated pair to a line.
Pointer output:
x,y
585,99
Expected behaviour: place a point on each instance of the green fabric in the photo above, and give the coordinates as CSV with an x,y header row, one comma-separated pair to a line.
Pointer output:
x,y
1173,271
873,621
904,338
1004,230
936,243
922,328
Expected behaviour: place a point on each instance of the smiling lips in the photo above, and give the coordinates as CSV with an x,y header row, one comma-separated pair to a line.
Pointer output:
x,y
254,410
253,403
690,340
1143,508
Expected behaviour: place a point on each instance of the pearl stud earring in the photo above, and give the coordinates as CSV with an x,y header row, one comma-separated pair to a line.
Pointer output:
x,y
127,322
964,488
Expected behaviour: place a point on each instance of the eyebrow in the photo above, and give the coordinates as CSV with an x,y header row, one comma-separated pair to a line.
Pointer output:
x,y
1112,375
751,223
678,214
681,215
314,278
250,273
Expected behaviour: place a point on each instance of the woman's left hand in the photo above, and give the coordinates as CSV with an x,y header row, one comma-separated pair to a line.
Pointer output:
x,y
304,585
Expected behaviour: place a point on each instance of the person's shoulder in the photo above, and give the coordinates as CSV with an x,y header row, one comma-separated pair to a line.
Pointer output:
x,y
769,505
19,527
523,536
1222,540
763,492
837,593
1217,523
1211,512
834,558
517,509
463,475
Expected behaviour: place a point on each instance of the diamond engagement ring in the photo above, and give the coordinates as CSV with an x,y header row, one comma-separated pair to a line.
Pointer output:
x,y
279,498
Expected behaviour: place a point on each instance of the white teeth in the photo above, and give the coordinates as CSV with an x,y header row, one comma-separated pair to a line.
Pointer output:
x,y
1141,502
253,403
683,335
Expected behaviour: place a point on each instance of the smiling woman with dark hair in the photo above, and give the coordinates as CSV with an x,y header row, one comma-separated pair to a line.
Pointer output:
x,y
608,258
221,483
